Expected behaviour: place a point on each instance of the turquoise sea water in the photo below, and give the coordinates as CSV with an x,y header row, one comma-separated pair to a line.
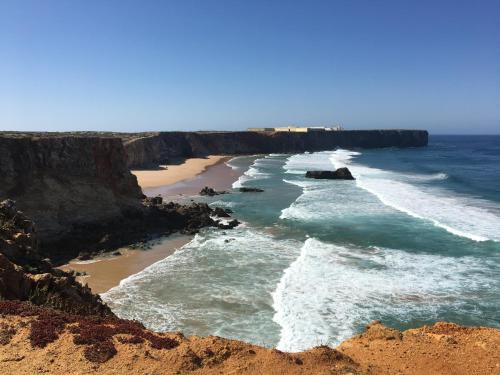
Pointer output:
x,y
415,239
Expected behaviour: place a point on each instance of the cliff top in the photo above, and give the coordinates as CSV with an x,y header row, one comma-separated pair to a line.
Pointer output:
x,y
34,339
134,135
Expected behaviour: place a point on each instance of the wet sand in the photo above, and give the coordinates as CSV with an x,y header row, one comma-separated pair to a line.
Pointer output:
x,y
104,273
172,173
218,176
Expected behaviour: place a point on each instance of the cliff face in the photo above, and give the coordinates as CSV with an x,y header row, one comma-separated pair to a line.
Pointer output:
x,y
156,149
63,182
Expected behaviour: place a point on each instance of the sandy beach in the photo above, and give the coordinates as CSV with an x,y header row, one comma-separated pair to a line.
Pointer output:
x,y
106,272
188,178
171,174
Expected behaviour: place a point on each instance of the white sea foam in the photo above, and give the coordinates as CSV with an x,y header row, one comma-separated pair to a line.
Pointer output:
x,y
323,200
217,284
330,291
460,215
254,172
223,204
230,163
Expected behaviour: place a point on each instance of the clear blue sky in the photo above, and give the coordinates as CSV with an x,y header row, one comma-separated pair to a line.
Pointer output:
x,y
179,65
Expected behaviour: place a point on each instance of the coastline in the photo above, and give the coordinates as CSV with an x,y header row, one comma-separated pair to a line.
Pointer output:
x,y
173,173
188,178
106,272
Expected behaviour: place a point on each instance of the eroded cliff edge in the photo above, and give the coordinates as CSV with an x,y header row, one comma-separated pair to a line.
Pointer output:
x,y
64,183
153,149
82,197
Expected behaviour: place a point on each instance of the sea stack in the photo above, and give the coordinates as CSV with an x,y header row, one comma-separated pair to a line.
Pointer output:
x,y
339,174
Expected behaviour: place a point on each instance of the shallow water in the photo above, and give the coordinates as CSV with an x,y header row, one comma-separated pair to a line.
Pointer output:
x,y
413,240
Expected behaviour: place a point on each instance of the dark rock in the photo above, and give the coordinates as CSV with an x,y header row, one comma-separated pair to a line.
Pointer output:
x,y
339,174
26,276
153,201
157,200
18,238
250,190
220,212
211,192
84,256
208,191
229,225
116,253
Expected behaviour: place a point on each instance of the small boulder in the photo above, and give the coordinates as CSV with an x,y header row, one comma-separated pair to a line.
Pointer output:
x,y
250,190
84,256
339,174
210,192
220,212
229,225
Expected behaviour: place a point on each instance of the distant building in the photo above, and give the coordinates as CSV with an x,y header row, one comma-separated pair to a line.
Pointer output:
x,y
260,129
298,129
292,129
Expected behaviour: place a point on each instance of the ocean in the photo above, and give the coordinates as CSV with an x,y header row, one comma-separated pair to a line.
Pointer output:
x,y
413,240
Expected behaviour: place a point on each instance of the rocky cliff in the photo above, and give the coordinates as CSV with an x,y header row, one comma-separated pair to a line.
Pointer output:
x,y
63,182
154,149
67,185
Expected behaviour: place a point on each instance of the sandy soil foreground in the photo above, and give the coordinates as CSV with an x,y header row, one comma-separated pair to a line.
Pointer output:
x,y
175,173
62,344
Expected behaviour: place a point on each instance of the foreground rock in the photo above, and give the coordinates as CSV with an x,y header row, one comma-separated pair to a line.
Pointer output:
x,y
250,190
339,174
25,276
82,345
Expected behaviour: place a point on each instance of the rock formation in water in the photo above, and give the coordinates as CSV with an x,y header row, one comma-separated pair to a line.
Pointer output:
x,y
339,174
210,192
250,190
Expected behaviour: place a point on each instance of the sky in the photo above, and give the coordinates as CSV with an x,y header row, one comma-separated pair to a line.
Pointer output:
x,y
230,64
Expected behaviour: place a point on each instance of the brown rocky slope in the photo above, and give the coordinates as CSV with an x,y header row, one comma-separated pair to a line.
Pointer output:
x,y
39,340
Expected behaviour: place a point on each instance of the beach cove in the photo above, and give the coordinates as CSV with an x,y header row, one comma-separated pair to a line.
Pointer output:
x,y
175,182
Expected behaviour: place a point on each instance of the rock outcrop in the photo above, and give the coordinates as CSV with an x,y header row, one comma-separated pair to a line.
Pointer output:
x,y
67,183
55,289
25,276
154,149
18,239
339,174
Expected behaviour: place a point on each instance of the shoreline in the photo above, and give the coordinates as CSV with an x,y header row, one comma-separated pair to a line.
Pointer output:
x,y
173,173
107,271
